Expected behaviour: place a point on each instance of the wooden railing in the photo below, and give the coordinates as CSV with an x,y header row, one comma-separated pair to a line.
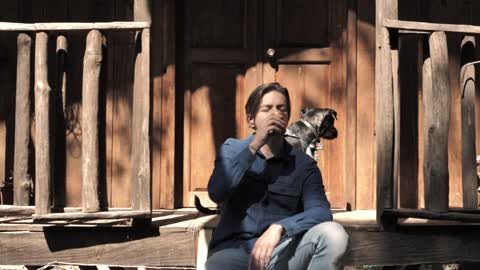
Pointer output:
x,y
140,158
436,108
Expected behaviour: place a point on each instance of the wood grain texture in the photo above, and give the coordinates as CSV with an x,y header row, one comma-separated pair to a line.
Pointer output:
x,y
436,100
64,26
467,88
141,171
22,182
432,27
89,247
90,149
43,181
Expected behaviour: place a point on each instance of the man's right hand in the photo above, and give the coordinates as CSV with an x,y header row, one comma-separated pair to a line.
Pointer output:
x,y
266,128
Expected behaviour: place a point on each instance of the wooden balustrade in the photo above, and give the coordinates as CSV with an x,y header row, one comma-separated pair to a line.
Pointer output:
x,y
140,158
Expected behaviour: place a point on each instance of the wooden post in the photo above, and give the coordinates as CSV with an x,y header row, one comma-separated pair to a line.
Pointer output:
x,y
384,104
21,179
91,81
436,102
467,86
62,49
43,197
141,182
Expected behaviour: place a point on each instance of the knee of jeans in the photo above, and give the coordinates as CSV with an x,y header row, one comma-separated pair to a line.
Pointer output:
x,y
330,235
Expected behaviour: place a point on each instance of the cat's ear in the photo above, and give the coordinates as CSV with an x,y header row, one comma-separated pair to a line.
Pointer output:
x,y
303,111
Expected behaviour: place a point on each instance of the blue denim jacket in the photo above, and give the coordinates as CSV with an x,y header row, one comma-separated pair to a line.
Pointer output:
x,y
254,193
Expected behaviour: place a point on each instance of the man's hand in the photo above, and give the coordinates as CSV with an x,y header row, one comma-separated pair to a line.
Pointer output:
x,y
272,125
262,251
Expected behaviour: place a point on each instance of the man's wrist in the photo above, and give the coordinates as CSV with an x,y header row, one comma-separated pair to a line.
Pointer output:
x,y
279,227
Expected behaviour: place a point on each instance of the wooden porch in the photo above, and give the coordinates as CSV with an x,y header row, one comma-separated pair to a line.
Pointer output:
x,y
93,234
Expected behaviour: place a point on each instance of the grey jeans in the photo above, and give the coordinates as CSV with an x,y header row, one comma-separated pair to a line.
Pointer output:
x,y
321,247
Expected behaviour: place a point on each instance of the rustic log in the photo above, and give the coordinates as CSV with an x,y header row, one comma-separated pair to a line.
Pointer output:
x,y
62,50
43,186
141,182
384,119
22,182
101,215
431,27
6,26
436,102
467,86
415,213
91,83
396,118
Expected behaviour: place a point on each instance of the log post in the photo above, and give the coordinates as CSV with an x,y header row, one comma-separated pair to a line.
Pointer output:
x,y
91,82
62,50
43,197
436,102
21,179
141,181
384,116
467,87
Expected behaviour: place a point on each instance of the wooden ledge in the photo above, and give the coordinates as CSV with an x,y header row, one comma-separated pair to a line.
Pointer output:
x,y
96,215
61,26
424,214
421,27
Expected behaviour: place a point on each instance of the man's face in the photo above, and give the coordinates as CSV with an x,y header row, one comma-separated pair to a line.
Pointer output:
x,y
273,104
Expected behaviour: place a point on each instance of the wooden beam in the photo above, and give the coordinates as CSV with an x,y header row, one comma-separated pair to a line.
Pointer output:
x,y
62,50
384,115
121,248
467,88
423,214
141,172
431,27
90,155
35,27
436,102
96,215
21,179
43,186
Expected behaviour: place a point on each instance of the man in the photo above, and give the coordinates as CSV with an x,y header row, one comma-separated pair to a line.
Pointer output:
x,y
274,211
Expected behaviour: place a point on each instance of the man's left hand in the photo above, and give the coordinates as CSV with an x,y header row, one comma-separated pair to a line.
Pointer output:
x,y
262,251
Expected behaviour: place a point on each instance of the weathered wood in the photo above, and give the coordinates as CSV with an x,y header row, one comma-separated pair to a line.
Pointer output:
x,y
436,101
141,180
419,245
396,118
414,213
98,247
91,83
9,210
43,181
103,215
351,149
431,27
62,50
34,27
21,179
467,88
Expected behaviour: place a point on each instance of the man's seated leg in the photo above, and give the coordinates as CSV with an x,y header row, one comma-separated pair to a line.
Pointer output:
x,y
230,258
321,247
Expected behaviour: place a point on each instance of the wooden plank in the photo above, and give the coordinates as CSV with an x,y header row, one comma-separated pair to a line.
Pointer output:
x,y
90,155
431,27
467,88
141,180
419,245
414,213
365,194
56,26
22,181
98,247
396,118
103,215
436,100
43,198
351,106
168,109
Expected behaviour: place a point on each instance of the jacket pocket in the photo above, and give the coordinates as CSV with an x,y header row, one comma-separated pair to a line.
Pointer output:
x,y
283,199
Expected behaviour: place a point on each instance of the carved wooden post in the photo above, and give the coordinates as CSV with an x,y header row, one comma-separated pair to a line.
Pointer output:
x,y
91,82
436,102
22,182
141,182
467,86
384,104
62,49
43,197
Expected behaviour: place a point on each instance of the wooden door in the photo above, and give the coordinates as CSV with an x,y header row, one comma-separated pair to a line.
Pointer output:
x,y
304,51
218,66
224,58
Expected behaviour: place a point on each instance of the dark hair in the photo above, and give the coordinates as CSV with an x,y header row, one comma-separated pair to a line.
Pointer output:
x,y
253,102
